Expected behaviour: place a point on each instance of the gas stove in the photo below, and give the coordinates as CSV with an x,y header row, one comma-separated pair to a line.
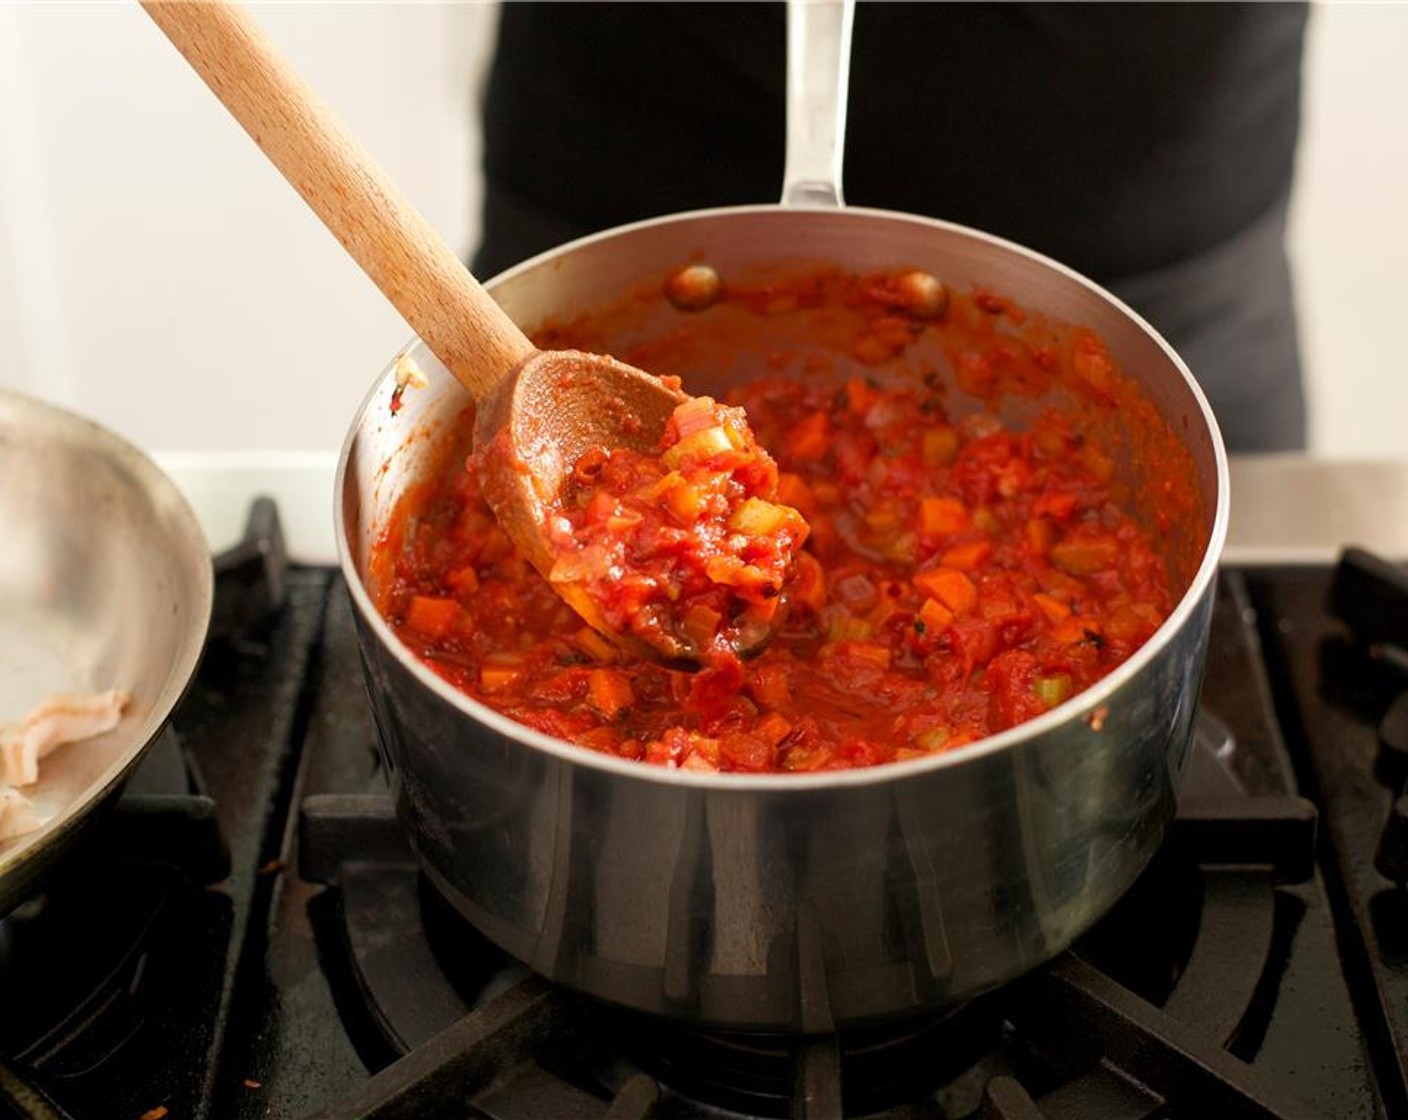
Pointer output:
x,y
245,933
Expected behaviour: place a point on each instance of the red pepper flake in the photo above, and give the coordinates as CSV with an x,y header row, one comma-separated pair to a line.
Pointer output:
x,y
154,1113
1096,719
273,867
250,1083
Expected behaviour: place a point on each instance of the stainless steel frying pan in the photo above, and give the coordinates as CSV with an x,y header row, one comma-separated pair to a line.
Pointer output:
x,y
105,582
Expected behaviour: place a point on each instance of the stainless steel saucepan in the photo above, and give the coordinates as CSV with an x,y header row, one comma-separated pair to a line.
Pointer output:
x,y
105,582
790,902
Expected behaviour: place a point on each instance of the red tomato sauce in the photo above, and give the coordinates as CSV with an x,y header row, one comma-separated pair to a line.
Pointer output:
x,y
686,549
959,577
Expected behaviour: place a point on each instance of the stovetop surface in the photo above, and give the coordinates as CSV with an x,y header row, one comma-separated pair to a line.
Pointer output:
x,y
182,961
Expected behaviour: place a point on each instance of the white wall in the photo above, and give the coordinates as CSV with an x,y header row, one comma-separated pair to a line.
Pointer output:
x,y
1349,229
156,273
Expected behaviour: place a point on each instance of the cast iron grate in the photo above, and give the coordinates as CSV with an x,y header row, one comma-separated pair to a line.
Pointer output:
x,y
1070,1042
102,955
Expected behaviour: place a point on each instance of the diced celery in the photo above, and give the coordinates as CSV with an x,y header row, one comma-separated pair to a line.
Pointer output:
x,y
933,739
1052,690
701,445
847,628
757,517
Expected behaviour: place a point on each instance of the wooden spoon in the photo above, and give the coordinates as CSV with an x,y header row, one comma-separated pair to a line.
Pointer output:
x,y
537,411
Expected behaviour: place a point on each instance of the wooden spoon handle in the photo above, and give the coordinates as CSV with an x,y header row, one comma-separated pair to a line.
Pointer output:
x,y
354,197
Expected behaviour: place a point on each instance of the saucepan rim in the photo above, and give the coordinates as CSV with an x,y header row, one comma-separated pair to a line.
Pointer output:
x,y
1063,714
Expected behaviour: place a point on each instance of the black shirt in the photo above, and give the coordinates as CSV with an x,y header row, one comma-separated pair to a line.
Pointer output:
x,y
1118,138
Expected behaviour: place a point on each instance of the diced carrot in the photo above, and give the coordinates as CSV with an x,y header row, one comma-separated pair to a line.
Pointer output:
x,y
598,739
1054,609
1128,624
1096,462
770,688
501,674
701,624
939,446
498,678
827,492
773,728
943,515
685,501
809,438
1052,437
622,521
1092,364
609,690
808,583
1057,506
871,653
951,588
1085,554
431,617
1076,629
703,747
601,506
935,615
464,580
860,395
870,349
882,517
794,492
657,489
724,569
967,556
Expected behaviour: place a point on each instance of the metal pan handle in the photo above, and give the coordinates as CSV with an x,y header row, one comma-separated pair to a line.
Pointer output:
x,y
818,78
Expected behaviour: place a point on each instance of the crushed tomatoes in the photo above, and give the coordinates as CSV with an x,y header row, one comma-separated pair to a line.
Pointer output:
x,y
686,549
959,578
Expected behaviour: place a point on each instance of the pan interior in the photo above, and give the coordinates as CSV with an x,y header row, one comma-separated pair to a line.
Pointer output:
x,y
614,282
105,582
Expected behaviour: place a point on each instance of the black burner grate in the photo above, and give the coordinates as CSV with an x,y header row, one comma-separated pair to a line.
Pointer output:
x,y
1068,1043
1222,985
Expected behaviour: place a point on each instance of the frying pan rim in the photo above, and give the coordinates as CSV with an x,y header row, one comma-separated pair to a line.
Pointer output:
x,y
35,845
1063,714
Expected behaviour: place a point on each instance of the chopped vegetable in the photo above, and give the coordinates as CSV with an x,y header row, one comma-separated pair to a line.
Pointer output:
x,y
956,578
943,515
685,550
952,588
430,618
